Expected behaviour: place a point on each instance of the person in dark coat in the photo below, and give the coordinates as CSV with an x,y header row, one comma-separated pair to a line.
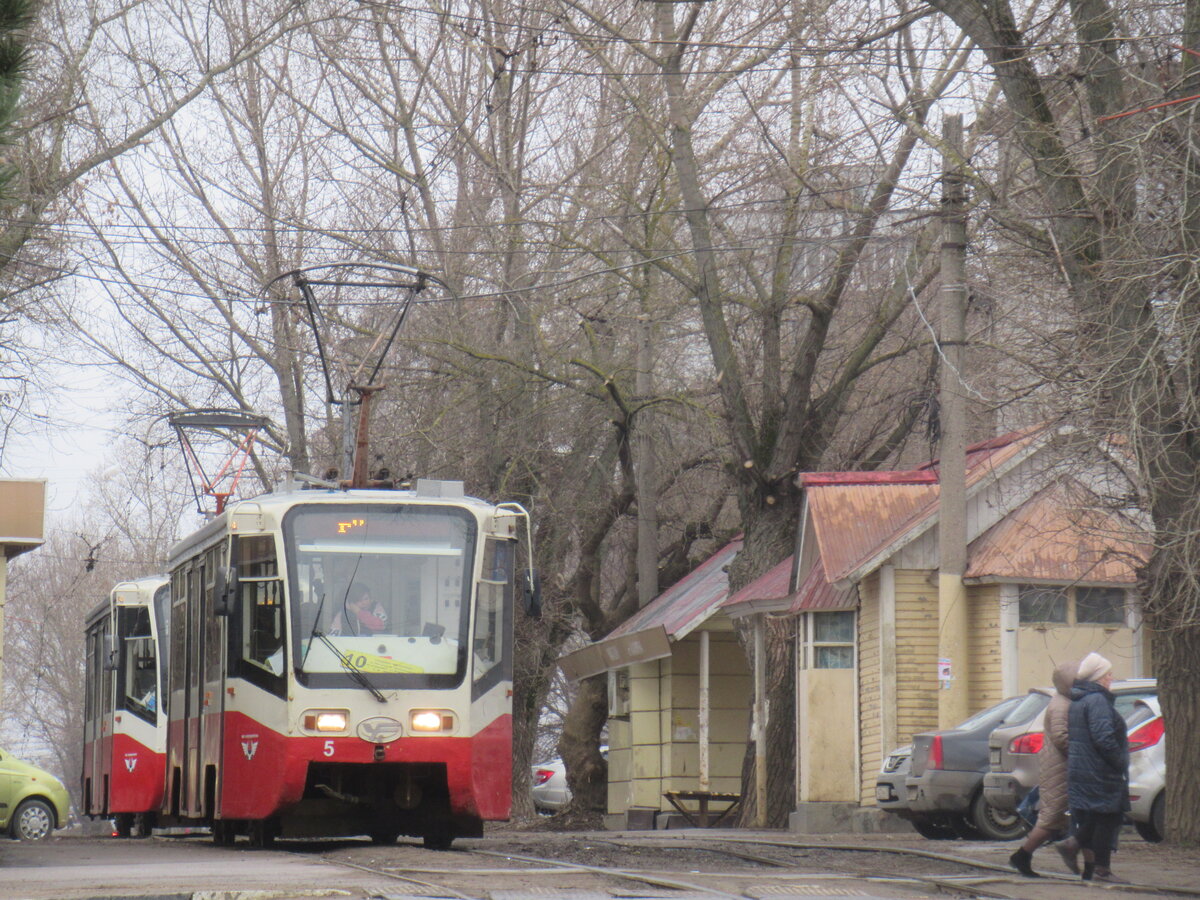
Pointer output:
x,y
1097,766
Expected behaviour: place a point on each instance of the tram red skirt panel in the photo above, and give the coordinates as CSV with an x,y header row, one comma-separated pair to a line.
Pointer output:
x,y
263,771
138,775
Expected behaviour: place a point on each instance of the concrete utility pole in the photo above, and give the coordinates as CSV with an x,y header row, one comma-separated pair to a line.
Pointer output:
x,y
646,472
953,618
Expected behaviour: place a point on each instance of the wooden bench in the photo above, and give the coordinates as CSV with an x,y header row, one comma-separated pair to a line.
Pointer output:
x,y
700,816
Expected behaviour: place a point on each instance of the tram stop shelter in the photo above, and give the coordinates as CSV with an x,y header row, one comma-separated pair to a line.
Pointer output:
x,y
679,704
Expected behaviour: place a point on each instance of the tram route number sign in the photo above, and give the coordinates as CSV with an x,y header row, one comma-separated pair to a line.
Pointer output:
x,y
369,662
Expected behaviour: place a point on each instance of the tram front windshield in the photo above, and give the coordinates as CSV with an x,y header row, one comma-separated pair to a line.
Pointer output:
x,y
381,589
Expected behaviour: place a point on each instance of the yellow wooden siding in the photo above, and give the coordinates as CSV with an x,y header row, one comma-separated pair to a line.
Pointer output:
x,y
731,694
870,712
916,652
637,780
986,685
658,748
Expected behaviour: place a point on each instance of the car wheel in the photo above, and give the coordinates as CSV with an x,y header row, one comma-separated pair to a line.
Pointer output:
x,y
934,830
33,820
1152,831
995,824
964,829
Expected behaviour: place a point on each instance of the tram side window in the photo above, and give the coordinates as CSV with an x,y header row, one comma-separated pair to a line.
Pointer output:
x,y
177,630
139,681
492,605
263,625
105,699
93,678
162,616
262,603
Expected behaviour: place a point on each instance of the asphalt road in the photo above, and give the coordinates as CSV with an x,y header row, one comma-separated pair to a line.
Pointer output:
x,y
515,864
70,866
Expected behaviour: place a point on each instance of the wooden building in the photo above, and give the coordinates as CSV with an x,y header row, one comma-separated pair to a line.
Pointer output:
x,y
1049,577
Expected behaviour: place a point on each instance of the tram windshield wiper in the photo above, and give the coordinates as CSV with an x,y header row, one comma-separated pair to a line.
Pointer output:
x,y
315,630
352,670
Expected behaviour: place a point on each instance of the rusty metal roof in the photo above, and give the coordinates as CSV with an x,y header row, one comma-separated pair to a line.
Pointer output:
x,y
856,516
689,601
817,594
851,523
1058,536
773,584
648,633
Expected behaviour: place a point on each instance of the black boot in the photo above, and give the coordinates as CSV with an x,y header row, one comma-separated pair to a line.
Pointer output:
x,y
1089,869
1021,861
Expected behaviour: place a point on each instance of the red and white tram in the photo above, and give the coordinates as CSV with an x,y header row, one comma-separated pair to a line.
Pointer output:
x,y
125,728
341,664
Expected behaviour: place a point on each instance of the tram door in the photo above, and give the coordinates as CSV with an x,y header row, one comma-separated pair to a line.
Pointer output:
x,y
197,689
98,716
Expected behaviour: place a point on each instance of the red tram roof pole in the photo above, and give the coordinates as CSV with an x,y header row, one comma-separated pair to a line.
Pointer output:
x,y
359,477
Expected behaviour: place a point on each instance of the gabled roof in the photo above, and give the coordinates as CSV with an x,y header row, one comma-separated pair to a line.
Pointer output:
x,y
861,518
1057,536
669,617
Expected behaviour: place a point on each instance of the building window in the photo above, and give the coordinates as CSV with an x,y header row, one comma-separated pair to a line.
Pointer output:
x,y
1099,606
832,644
1042,605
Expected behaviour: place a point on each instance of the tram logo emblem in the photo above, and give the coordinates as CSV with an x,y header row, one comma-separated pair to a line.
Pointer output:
x,y
379,729
249,745
130,761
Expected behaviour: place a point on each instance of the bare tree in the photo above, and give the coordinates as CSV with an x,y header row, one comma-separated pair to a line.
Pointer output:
x,y
122,530
1116,180
781,210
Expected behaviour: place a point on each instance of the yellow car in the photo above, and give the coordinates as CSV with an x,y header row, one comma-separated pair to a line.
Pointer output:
x,y
32,801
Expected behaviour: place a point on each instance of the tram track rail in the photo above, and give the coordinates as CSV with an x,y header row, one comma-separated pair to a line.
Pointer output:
x,y
980,878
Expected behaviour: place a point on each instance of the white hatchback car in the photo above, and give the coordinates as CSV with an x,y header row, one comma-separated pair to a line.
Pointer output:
x,y
1147,768
550,792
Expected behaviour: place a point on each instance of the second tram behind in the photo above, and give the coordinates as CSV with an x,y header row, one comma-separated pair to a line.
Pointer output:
x,y
125,728
340,663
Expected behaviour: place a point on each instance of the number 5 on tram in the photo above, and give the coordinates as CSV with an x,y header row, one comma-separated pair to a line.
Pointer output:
x,y
341,664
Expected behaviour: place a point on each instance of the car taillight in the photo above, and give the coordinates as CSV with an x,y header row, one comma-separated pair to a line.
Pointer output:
x,y
935,753
541,776
1027,743
1147,735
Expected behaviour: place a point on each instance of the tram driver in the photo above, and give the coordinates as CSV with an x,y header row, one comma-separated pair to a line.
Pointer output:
x,y
362,615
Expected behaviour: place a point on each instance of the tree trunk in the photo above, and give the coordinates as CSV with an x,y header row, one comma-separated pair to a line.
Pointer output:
x,y
769,537
579,747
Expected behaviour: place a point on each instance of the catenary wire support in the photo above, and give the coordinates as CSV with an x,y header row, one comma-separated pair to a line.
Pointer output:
x,y
236,429
379,278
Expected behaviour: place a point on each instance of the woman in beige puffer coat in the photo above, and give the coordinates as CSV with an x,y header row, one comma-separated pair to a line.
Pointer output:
x,y
1052,780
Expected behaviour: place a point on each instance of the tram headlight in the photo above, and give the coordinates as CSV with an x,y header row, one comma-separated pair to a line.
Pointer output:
x,y
431,721
325,720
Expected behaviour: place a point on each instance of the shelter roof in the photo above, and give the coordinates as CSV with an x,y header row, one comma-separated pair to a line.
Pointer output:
x,y
669,617
689,601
